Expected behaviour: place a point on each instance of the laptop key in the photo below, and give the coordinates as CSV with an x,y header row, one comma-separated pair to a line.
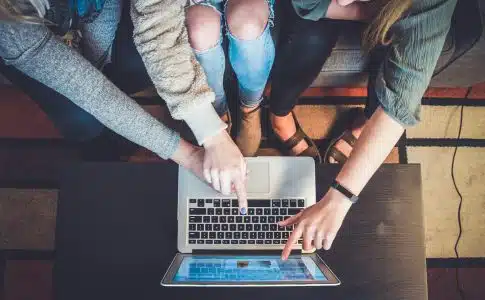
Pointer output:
x,y
265,227
259,203
225,227
267,211
249,227
293,203
251,242
217,227
283,211
293,211
212,235
252,235
285,203
200,202
269,235
228,235
217,203
235,211
255,219
195,219
227,211
237,235
259,242
197,211
247,219
284,241
301,203
251,211
271,219
210,211
281,228
233,227
240,227
226,203
208,200
192,201
205,235
230,219
242,242
263,219
275,211
233,242
191,241
217,242
267,242
277,235
279,218
235,203
226,242
214,219
200,241
273,227
260,235
192,227
208,227
239,219
276,203
245,235
218,211
276,242
222,219
259,211
257,227
207,219
285,235
209,242
200,227
194,235
220,235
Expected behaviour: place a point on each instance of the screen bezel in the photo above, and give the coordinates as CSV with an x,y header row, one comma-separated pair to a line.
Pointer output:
x,y
332,279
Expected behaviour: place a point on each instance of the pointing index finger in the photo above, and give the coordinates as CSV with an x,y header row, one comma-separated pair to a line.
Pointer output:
x,y
241,195
295,235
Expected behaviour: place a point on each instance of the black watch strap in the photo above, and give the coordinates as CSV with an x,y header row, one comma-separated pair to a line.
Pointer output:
x,y
353,198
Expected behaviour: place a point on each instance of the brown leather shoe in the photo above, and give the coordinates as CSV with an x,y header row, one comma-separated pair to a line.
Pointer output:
x,y
249,136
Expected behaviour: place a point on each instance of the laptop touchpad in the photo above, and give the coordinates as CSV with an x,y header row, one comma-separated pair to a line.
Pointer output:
x,y
258,177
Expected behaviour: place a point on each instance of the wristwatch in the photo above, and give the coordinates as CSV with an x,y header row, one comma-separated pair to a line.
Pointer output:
x,y
336,185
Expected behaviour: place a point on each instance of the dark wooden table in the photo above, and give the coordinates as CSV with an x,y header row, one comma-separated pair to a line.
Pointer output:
x,y
117,225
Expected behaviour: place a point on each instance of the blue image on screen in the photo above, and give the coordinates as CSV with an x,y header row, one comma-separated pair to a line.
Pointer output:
x,y
247,269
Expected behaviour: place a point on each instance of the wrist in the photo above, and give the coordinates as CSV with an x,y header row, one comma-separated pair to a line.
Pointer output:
x,y
339,198
184,153
217,139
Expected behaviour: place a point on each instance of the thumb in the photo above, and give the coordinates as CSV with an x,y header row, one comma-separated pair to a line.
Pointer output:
x,y
291,220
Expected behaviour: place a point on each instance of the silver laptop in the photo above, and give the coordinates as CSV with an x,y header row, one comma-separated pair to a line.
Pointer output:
x,y
220,247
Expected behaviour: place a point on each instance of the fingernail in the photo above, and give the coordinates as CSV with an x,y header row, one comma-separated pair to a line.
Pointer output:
x,y
243,210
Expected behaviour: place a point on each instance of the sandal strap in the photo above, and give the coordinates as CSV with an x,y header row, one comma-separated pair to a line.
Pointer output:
x,y
337,155
349,138
295,139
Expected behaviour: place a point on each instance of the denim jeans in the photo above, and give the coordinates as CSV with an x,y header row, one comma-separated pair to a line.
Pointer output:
x,y
251,60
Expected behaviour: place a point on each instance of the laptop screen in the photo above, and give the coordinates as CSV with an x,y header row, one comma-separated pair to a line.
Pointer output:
x,y
247,269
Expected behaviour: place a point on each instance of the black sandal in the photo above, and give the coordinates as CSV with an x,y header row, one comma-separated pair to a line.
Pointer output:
x,y
311,151
348,137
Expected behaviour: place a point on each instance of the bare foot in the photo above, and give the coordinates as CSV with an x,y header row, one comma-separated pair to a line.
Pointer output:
x,y
342,145
285,128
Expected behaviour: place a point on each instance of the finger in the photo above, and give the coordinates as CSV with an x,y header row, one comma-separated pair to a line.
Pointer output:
x,y
327,244
207,175
225,180
216,184
318,240
291,220
308,235
294,237
241,196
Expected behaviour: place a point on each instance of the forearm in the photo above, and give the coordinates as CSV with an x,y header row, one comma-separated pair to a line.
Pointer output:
x,y
376,141
161,38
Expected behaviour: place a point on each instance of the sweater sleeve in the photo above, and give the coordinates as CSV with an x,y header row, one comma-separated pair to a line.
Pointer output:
x,y
161,38
33,50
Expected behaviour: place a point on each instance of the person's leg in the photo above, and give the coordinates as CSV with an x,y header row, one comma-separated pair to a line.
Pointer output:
x,y
98,36
204,29
304,47
251,54
251,47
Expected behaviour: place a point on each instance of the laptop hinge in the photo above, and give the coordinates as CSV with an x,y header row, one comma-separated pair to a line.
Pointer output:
x,y
243,252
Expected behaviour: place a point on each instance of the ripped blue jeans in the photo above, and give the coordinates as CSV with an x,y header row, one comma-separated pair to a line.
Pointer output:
x,y
251,60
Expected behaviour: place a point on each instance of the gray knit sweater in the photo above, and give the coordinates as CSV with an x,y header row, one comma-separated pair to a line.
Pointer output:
x,y
161,38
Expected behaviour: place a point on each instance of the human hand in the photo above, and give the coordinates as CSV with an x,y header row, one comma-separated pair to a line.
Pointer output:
x,y
225,168
318,224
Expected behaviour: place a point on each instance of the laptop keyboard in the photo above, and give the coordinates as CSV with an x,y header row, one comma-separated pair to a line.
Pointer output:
x,y
218,221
